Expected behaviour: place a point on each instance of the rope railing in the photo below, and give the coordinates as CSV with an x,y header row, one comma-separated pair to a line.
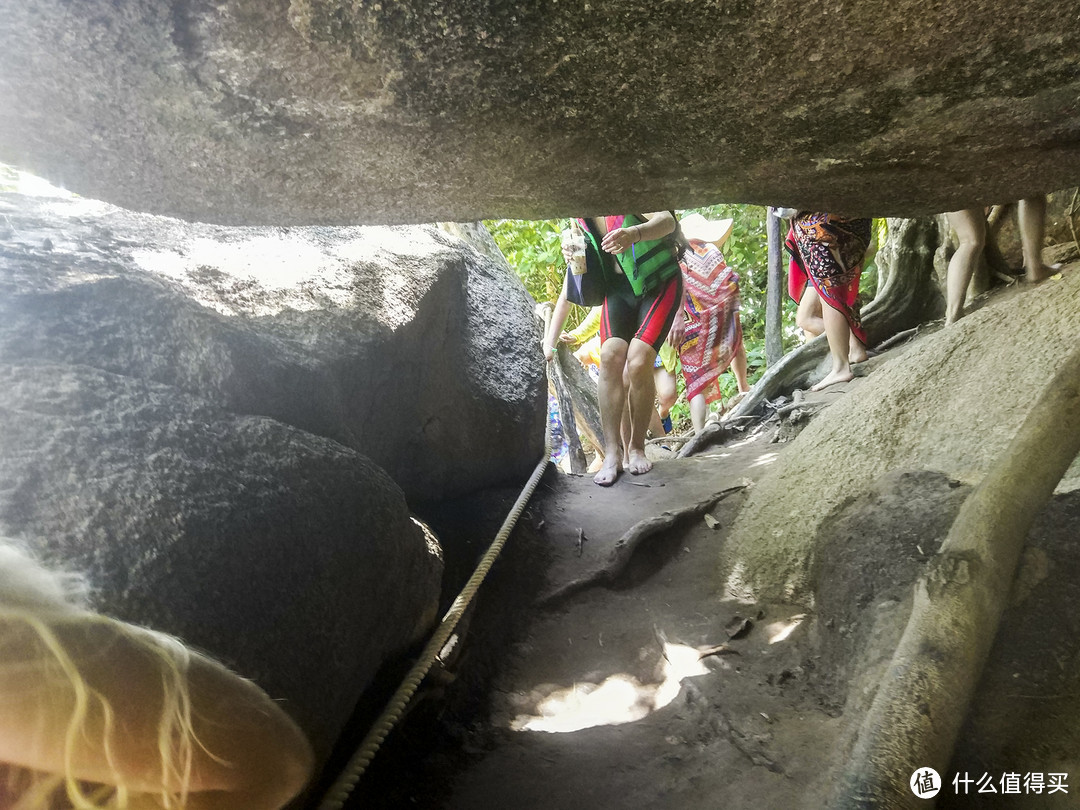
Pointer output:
x,y
339,792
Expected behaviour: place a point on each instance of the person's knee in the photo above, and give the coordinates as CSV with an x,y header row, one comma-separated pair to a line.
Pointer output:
x,y
972,237
612,357
639,362
666,400
974,241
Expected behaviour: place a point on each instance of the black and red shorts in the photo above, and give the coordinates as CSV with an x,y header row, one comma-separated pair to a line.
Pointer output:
x,y
647,317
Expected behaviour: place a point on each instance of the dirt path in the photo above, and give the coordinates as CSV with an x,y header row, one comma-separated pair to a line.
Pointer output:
x,y
589,710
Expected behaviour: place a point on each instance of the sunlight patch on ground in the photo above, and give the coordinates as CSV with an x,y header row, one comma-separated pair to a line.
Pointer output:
x,y
781,630
618,699
737,443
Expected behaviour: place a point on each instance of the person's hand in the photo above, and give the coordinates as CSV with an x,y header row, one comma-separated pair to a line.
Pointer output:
x,y
567,247
566,337
678,331
549,352
620,239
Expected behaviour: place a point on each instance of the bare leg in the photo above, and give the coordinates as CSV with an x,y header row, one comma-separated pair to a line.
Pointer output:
x,y
698,411
666,390
612,397
639,361
856,349
808,316
739,367
1032,217
666,394
656,421
970,227
838,333
624,423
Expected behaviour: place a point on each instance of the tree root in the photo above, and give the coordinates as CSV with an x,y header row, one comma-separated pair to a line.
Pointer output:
x,y
635,536
923,698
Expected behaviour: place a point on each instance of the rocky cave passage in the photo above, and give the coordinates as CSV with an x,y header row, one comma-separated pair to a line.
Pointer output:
x,y
261,432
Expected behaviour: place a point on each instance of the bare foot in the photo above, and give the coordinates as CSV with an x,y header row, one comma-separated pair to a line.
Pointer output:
x,y
636,462
608,472
832,378
1041,273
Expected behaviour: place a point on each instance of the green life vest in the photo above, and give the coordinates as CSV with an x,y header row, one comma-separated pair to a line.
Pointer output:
x,y
646,265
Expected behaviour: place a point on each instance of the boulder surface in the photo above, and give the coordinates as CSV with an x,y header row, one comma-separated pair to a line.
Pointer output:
x,y
199,418
405,344
248,112
286,555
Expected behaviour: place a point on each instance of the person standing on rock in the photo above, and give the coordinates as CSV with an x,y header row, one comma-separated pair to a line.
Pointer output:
x,y
644,291
827,251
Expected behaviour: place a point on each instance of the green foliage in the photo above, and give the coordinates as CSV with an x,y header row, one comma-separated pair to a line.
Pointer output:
x,y
534,249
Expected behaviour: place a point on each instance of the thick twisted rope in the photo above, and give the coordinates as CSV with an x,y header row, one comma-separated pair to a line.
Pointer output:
x,y
339,792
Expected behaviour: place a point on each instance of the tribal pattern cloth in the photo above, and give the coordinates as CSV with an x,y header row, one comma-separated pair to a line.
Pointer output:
x,y
828,251
713,331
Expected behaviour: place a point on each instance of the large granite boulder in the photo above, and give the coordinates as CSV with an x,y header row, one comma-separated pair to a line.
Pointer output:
x,y
405,344
343,112
287,555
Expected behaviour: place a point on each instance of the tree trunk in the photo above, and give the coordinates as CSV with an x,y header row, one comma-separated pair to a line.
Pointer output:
x,y
924,696
909,294
774,291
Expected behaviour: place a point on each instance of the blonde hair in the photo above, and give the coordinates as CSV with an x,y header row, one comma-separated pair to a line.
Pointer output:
x,y
39,599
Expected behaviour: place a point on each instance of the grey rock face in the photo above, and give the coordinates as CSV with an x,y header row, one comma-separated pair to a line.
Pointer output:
x,y
405,344
335,112
195,416
288,556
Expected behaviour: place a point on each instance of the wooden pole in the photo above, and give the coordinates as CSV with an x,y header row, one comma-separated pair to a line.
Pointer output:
x,y
774,343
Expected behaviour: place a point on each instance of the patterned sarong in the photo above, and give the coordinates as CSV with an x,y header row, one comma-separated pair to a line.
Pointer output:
x,y
713,332
828,251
